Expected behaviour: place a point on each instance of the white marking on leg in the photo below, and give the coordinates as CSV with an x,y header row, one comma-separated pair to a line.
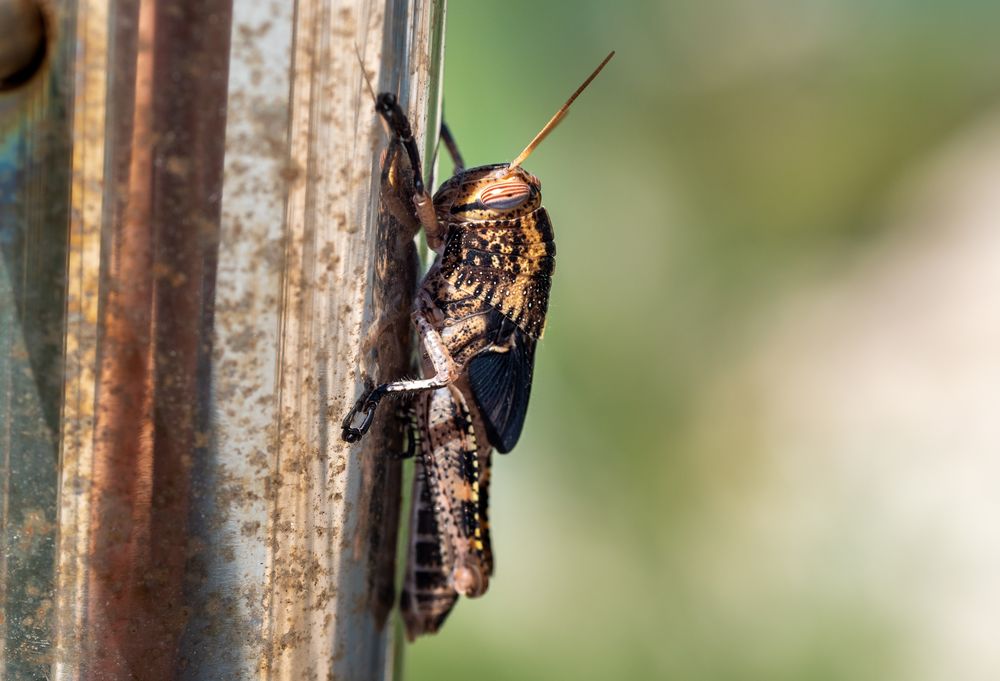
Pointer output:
x,y
445,369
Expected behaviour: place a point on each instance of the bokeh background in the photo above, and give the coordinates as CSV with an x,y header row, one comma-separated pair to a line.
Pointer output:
x,y
764,439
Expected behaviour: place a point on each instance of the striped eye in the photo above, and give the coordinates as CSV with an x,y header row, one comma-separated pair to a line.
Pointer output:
x,y
505,195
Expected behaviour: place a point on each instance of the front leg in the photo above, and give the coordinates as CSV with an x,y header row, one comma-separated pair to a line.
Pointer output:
x,y
423,205
445,372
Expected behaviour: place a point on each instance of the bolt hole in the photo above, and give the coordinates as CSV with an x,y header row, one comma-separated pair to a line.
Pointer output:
x,y
23,42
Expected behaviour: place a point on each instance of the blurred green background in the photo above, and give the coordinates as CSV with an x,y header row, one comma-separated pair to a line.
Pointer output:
x,y
727,470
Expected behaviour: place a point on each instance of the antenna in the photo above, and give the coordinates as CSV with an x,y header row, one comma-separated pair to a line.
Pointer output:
x,y
554,121
364,72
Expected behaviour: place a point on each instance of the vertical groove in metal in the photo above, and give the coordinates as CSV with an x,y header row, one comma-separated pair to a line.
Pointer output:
x,y
81,331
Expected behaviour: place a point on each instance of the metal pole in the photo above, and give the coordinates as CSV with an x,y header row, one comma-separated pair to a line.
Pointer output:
x,y
191,272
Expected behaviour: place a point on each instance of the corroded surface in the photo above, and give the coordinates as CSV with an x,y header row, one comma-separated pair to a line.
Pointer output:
x,y
34,188
226,264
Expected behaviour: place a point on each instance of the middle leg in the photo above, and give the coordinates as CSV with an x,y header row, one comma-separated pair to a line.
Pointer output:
x,y
446,371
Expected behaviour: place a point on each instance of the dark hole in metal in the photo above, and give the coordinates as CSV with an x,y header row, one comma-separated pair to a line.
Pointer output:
x,y
24,38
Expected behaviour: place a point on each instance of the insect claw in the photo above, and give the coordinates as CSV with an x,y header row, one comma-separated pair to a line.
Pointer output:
x,y
366,404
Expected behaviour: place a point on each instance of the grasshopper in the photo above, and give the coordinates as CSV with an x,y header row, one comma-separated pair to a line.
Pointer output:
x,y
480,311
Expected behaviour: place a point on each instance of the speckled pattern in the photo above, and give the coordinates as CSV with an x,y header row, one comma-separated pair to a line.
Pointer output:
x,y
502,256
479,313
485,296
449,537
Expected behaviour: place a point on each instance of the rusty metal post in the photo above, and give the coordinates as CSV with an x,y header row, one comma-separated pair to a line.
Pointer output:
x,y
193,256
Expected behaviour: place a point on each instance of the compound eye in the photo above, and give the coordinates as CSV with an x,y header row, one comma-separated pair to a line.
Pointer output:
x,y
505,195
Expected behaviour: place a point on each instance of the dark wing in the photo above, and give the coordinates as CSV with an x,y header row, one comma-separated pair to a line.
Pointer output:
x,y
501,385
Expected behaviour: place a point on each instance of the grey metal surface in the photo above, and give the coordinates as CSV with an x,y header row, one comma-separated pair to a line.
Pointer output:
x,y
181,331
